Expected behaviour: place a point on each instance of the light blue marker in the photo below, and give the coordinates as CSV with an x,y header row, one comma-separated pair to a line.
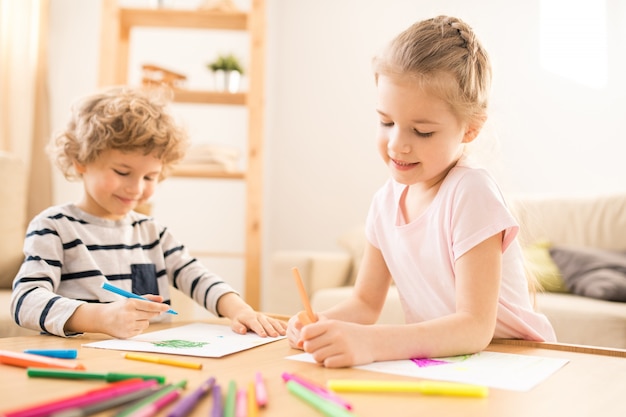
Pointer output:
x,y
54,353
127,294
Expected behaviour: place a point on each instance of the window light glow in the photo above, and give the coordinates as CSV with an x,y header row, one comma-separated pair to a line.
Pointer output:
x,y
573,36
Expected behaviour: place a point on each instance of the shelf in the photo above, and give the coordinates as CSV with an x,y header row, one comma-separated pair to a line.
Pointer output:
x,y
116,28
201,171
181,18
208,97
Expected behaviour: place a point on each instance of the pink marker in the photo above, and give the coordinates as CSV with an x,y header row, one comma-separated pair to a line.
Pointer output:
x,y
87,398
260,390
241,409
158,405
318,389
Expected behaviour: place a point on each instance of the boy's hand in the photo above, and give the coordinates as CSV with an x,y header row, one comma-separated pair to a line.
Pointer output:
x,y
259,323
244,317
122,319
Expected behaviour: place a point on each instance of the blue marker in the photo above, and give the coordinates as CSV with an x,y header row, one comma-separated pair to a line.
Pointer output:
x,y
54,353
127,294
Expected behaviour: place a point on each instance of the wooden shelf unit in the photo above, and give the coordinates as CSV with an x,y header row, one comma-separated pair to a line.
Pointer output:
x,y
208,97
114,57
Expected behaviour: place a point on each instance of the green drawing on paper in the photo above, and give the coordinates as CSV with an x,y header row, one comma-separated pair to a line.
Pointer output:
x,y
180,344
197,339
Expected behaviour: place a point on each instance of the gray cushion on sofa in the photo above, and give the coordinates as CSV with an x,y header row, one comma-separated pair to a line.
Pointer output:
x,y
592,272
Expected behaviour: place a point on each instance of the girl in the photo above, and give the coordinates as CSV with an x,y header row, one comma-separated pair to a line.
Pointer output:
x,y
439,228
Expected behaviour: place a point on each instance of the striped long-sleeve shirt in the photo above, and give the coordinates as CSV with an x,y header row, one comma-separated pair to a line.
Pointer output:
x,y
69,254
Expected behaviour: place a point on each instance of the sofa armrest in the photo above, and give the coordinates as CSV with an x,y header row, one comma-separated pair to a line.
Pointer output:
x,y
318,269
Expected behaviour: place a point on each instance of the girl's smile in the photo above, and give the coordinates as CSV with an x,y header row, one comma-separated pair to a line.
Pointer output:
x,y
416,125
403,166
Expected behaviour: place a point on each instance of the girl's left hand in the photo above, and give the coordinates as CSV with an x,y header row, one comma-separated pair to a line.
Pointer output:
x,y
293,332
337,344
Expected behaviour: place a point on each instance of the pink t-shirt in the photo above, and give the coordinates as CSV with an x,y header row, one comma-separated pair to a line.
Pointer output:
x,y
421,255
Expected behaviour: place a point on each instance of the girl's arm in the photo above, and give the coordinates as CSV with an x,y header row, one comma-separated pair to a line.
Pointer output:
x,y
366,301
470,329
370,291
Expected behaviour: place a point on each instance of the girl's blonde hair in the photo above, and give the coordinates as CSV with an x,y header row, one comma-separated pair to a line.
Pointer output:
x,y
120,118
444,56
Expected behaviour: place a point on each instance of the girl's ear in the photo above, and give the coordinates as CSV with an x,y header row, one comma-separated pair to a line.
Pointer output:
x,y
473,129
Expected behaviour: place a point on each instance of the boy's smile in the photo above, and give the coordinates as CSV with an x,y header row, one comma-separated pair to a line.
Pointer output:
x,y
117,182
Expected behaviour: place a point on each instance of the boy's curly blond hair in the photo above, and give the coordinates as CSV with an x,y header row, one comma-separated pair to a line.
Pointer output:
x,y
120,118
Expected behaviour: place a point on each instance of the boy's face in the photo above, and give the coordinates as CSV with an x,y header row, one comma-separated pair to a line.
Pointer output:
x,y
419,137
117,182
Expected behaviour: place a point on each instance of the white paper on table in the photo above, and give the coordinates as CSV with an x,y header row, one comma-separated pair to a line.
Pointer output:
x,y
493,369
198,339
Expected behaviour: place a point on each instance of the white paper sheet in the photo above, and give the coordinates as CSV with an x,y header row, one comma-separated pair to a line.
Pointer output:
x,y
199,339
493,369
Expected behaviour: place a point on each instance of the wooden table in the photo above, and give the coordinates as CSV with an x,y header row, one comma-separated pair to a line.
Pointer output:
x,y
593,383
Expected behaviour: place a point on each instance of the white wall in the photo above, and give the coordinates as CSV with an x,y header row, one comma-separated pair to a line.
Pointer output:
x,y
545,134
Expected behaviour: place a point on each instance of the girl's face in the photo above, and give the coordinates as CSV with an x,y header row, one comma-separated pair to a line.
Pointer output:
x,y
117,182
419,137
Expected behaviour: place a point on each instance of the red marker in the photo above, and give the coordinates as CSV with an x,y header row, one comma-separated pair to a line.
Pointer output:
x,y
86,398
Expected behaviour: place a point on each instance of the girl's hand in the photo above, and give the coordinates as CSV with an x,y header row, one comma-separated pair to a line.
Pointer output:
x,y
121,319
337,344
294,326
259,323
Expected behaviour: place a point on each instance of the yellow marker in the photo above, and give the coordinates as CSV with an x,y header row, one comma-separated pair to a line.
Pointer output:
x,y
423,387
163,361
253,405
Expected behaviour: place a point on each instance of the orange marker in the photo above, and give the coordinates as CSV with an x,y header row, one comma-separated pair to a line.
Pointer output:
x,y
26,360
307,316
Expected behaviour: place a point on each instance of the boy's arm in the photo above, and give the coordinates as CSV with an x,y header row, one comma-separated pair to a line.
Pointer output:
x,y
34,303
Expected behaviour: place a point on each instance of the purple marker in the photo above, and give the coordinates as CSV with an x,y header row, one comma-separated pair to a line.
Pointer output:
x,y
217,410
189,402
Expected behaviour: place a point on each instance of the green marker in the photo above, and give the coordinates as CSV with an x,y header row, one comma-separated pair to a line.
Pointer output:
x,y
72,374
231,399
326,407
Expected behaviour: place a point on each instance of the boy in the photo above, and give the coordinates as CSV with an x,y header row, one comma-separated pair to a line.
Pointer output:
x,y
120,143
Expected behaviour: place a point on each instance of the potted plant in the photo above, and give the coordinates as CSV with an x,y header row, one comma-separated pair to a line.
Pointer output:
x,y
227,71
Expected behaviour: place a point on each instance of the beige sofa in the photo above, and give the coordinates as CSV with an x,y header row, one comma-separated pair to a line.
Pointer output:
x,y
12,227
13,222
597,222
